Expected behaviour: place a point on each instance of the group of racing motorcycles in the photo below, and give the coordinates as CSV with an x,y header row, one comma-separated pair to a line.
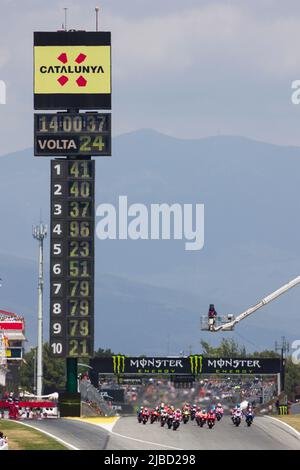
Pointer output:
x,y
171,417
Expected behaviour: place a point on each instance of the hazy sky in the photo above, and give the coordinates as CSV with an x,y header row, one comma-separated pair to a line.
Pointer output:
x,y
187,68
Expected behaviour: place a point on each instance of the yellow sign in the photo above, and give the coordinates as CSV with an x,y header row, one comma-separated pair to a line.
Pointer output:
x,y
72,69
6,353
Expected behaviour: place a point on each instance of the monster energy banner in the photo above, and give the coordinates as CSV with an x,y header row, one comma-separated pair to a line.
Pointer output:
x,y
195,364
241,366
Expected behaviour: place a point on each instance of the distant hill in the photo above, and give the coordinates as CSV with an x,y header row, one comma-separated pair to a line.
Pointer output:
x,y
150,294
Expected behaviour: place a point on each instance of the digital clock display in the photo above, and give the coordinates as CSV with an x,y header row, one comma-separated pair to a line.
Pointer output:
x,y
71,134
72,258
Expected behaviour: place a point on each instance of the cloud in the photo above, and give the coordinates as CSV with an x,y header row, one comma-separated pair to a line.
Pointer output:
x,y
213,34
212,58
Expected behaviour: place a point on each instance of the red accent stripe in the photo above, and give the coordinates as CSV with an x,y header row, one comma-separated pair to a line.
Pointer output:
x,y
11,325
30,404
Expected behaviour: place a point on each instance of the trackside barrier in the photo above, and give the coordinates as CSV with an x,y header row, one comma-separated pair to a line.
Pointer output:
x,y
295,409
262,407
90,393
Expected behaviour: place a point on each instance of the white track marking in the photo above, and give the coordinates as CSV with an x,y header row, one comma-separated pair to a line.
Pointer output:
x,y
109,429
143,442
285,424
50,435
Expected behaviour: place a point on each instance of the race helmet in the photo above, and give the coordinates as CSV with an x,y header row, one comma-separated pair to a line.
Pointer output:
x,y
238,406
219,405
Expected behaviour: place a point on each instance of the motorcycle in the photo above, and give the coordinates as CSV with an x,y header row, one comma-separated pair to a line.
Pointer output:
x,y
145,419
249,420
185,417
176,423
193,414
219,416
200,421
170,421
139,417
153,418
210,423
163,420
237,420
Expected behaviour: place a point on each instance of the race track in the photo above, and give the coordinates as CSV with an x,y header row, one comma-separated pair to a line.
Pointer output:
x,y
127,434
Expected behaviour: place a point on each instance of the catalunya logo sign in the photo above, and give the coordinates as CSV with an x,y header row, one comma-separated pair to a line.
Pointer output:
x,y
72,70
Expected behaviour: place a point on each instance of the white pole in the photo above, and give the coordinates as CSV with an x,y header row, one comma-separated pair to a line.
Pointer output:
x,y
66,9
40,323
34,371
97,18
39,233
278,384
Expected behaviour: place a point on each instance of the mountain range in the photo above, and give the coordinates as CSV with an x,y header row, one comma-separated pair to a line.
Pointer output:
x,y
149,294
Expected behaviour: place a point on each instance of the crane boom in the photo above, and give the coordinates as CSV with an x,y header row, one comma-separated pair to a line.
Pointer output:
x,y
264,301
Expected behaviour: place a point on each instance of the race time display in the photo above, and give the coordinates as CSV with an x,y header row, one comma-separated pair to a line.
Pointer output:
x,y
72,258
72,134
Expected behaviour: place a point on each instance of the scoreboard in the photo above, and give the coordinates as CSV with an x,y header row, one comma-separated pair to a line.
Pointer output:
x,y
72,97
72,258
72,134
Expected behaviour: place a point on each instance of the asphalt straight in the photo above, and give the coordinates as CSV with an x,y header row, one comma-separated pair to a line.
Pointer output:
x,y
127,434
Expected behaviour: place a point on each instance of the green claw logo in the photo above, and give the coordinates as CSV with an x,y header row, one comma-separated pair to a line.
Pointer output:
x,y
119,364
196,363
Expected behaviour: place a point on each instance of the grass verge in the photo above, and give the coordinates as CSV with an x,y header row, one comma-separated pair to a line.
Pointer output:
x,y
292,420
25,438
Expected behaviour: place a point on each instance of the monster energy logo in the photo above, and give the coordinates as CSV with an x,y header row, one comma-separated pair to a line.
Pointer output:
x,y
196,363
119,364
283,410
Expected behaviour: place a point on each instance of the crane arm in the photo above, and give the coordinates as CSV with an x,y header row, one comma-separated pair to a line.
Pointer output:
x,y
264,301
